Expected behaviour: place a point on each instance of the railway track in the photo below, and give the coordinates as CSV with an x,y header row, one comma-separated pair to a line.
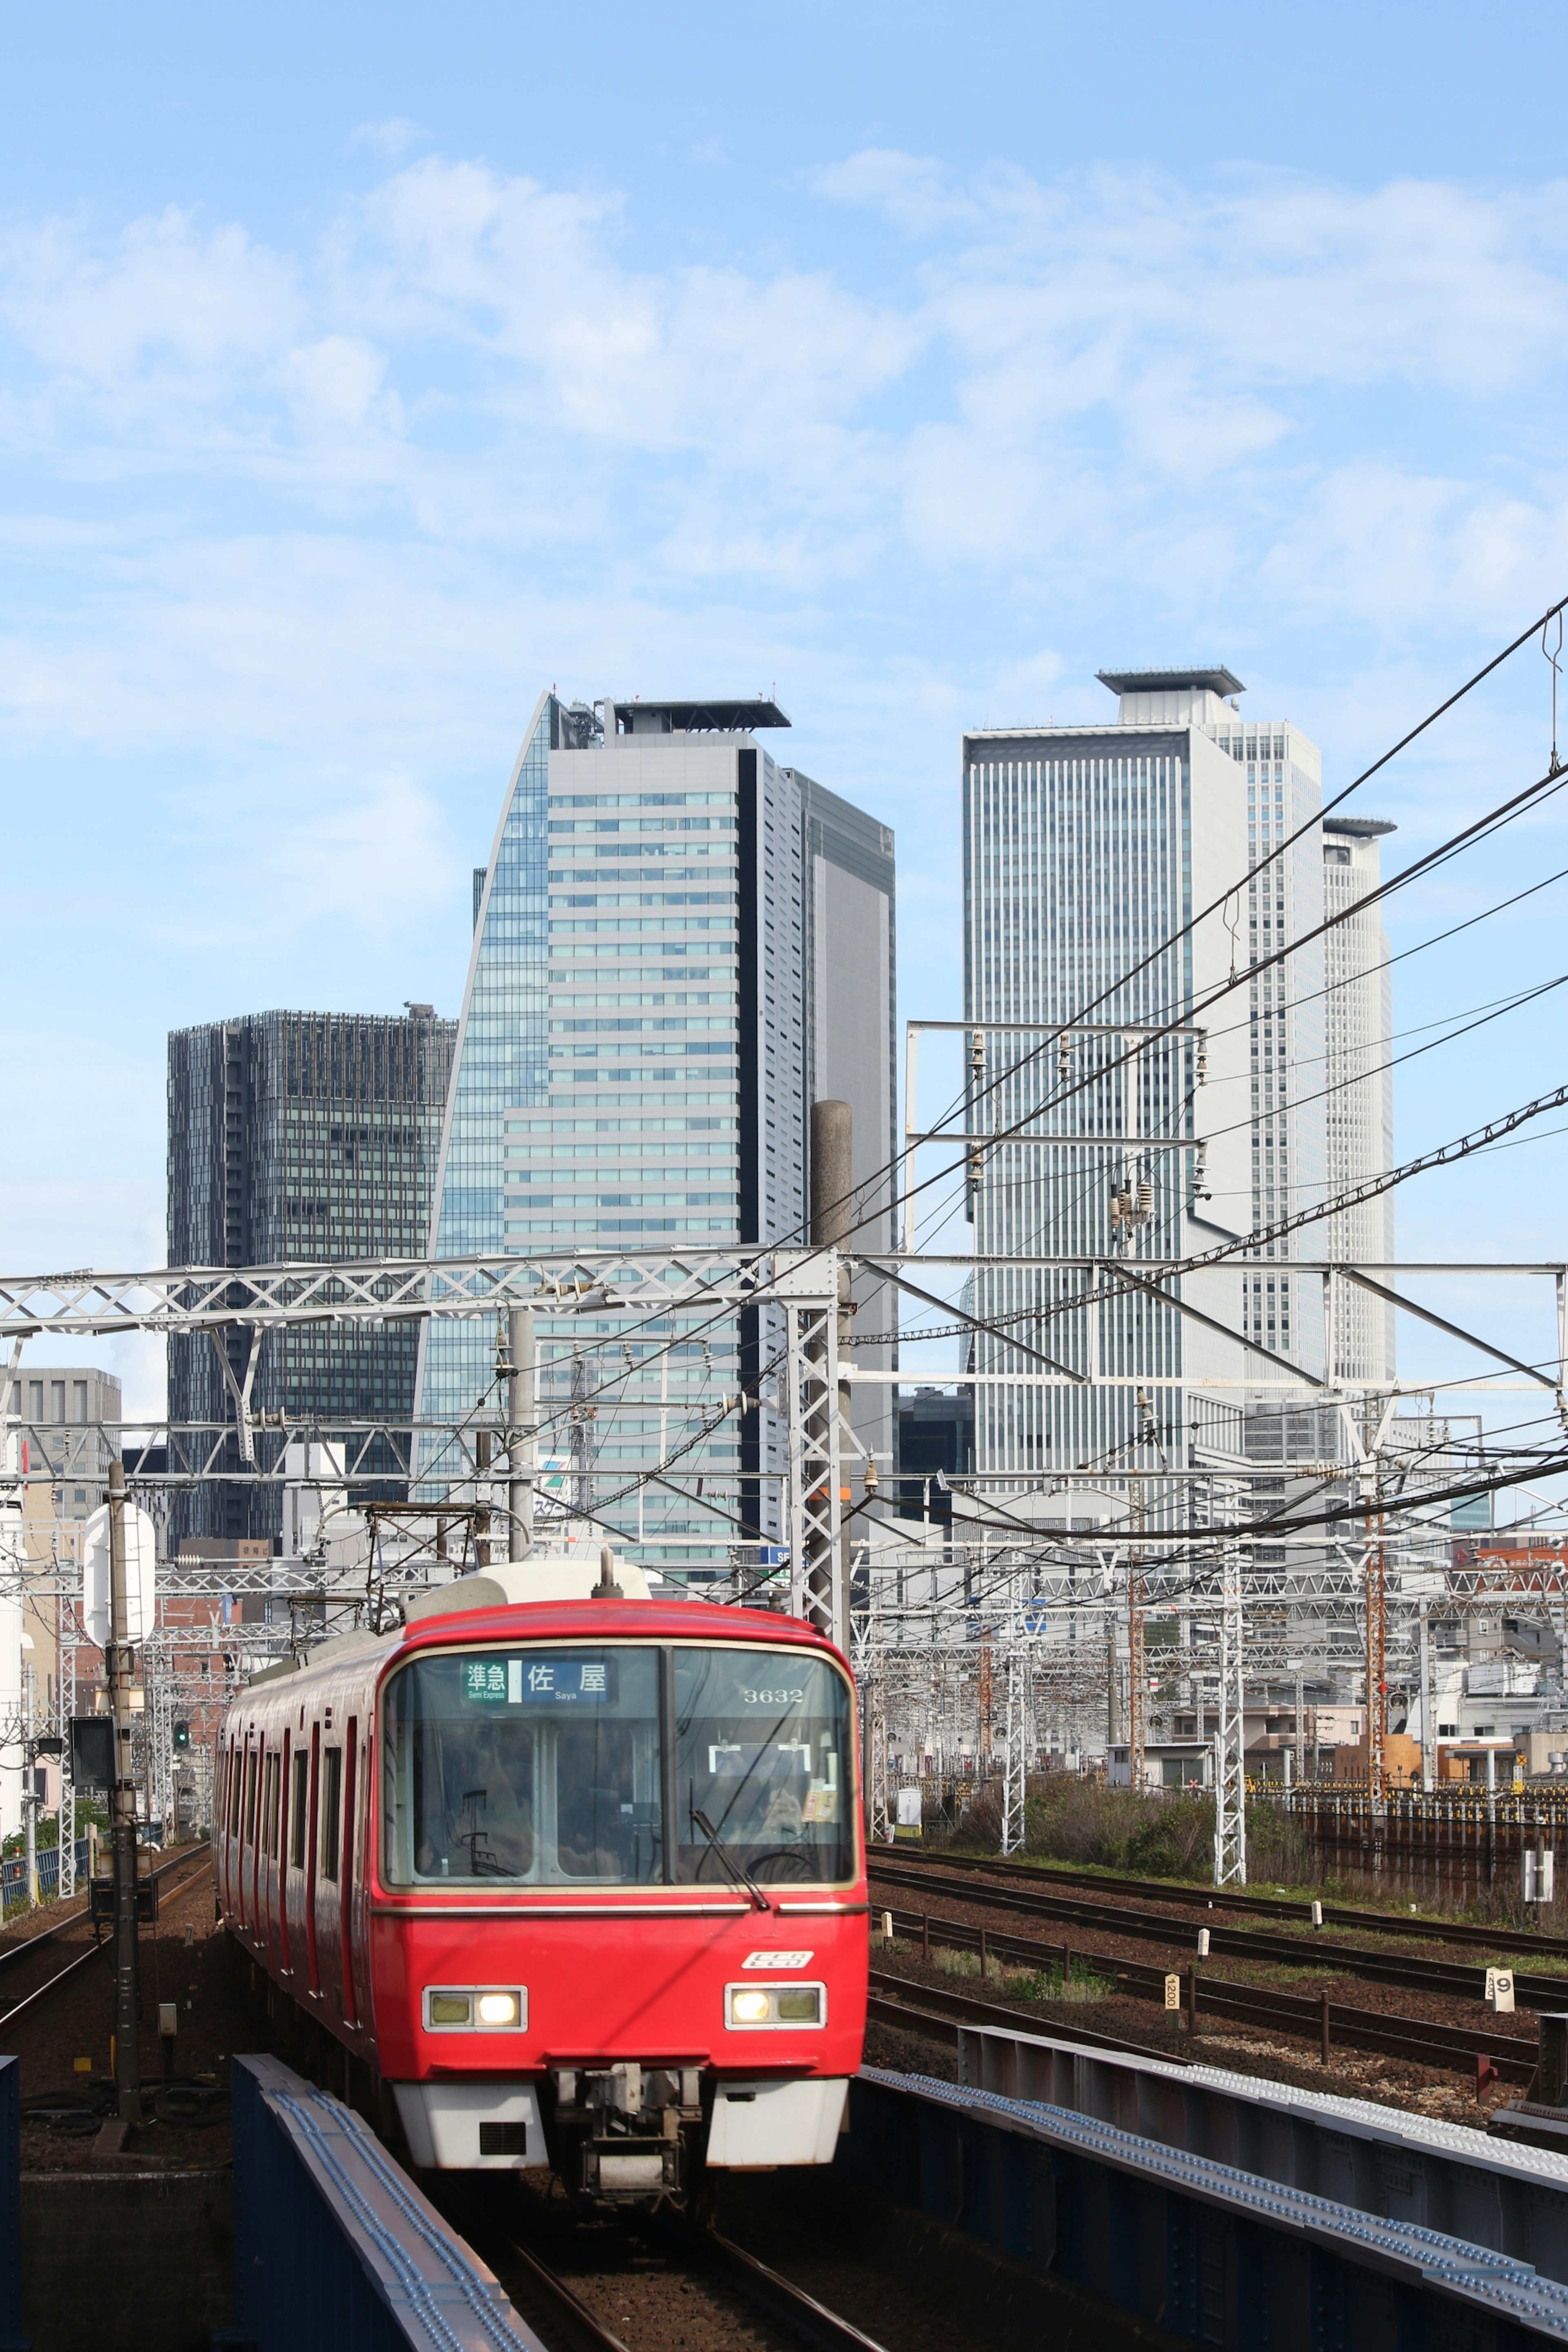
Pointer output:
x,y
1418,2039
1258,1906
1458,1978
700,2252
193,1861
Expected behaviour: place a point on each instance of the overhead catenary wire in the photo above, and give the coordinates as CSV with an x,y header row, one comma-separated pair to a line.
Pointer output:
x,y
1504,812
1479,829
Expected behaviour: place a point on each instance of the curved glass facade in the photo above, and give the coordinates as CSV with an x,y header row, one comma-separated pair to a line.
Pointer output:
x,y
501,1066
641,916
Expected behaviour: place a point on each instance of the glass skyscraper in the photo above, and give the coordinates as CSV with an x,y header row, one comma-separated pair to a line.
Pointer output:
x,y
300,1137
1086,849
632,1071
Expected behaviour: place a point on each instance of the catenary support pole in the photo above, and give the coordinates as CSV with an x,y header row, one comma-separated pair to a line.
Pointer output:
x,y
122,1804
520,1433
482,1491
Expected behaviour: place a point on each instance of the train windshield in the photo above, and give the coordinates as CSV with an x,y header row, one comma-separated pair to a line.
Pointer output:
x,y
561,1765
763,1784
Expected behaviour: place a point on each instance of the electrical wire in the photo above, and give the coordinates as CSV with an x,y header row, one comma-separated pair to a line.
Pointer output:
x,y
1480,829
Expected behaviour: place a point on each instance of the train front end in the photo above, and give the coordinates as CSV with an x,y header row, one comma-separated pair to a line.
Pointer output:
x,y
618,1916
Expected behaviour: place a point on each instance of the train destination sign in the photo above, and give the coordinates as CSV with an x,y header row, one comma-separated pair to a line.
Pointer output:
x,y
552,1681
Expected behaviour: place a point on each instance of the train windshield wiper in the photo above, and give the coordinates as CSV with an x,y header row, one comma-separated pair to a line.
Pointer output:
x,y
728,1862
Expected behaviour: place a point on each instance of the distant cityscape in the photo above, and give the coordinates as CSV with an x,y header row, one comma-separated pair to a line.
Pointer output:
x,y
679,943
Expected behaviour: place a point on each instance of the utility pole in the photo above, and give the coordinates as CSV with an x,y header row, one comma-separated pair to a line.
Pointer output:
x,y
122,1809
582,1413
521,1419
482,1494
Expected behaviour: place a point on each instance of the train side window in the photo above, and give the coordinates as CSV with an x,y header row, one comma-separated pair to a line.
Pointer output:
x,y
250,1797
234,1785
300,1808
331,1810
274,1793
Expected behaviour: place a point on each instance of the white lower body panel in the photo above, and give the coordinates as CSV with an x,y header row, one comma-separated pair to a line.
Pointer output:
x,y
471,2126
756,2126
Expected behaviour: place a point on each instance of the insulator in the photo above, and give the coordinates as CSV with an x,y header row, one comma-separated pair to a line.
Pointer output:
x,y
977,1052
1145,1199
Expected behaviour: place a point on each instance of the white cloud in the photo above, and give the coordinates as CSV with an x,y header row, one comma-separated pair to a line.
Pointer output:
x,y
165,302
458,436
392,138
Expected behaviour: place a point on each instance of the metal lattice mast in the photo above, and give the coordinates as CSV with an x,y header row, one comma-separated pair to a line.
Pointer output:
x,y
810,1406
1137,1709
1377,1657
1019,1666
65,1696
879,1811
157,1670
1230,1738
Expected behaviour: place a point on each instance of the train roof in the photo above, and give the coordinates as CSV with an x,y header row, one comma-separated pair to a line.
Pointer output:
x,y
546,1620
656,1620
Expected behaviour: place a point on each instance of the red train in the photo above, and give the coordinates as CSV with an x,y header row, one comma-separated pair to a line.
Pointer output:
x,y
580,1880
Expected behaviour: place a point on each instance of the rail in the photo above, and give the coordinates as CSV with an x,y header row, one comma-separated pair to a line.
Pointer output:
x,y
12,1954
1456,2048
801,2313
1208,1898
1456,1977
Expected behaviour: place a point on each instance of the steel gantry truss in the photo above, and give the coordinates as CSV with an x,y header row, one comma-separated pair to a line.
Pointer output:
x,y
1334,1592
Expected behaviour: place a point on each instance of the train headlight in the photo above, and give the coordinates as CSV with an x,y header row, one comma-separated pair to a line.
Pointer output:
x,y
459,2009
776,2005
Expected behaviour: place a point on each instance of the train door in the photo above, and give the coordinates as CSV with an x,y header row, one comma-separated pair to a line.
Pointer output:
x,y
298,1842
232,1789
285,1835
328,1906
313,1809
248,1835
357,1887
346,1880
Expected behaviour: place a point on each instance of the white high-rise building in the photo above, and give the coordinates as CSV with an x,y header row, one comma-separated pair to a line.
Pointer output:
x,y
1087,850
1361,1100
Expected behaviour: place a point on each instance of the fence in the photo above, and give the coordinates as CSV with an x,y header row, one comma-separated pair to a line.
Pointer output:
x,y
14,1874
1455,1842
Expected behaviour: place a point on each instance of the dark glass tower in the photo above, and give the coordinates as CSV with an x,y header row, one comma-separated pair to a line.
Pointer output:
x,y
300,1137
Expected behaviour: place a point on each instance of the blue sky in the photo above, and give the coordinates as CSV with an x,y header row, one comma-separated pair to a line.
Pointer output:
x,y
363,370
